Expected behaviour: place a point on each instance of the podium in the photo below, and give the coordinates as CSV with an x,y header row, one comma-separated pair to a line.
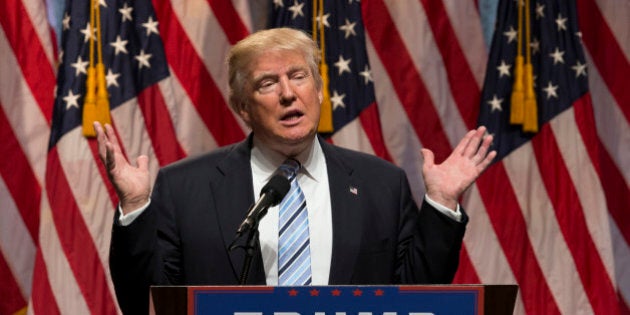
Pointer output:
x,y
334,300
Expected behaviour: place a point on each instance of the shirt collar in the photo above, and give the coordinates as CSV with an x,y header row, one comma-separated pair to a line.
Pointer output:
x,y
265,161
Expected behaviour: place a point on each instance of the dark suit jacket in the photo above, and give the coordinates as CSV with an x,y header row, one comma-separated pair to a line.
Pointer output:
x,y
379,235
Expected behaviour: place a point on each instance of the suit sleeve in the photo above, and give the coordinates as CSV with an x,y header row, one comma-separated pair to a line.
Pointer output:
x,y
145,252
429,242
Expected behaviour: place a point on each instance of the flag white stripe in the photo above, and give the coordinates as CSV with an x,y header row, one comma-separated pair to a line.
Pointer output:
x,y
482,243
544,233
36,11
587,185
353,136
398,133
62,282
616,14
211,46
16,244
464,17
421,45
27,122
612,127
192,133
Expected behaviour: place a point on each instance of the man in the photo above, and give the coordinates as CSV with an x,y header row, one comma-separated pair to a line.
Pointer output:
x,y
364,225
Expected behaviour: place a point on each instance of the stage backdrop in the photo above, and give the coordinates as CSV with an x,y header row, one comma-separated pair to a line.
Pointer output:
x,y
552,214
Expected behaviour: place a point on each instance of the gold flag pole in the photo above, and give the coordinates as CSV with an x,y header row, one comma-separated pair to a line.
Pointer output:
x,y
326,119
530,117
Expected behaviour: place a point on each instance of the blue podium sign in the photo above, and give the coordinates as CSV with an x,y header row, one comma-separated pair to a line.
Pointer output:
x,y
336,300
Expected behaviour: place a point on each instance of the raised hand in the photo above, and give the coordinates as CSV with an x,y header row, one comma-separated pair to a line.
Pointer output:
x,y
132,184
447,181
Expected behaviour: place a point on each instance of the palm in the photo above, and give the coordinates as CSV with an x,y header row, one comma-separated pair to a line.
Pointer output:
x,y
446,182
132,183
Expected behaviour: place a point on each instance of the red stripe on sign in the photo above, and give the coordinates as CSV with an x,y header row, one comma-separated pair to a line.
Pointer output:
x,y
159,125
19,177
229,19
407,82
195,79
30,54
42,298
460,78
511,228
570,217
370,120
607,55
12,299
76,240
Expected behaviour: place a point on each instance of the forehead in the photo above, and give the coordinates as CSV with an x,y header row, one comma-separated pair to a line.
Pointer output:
x,y
277,62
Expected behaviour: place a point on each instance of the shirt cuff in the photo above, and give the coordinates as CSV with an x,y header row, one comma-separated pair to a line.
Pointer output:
x,y
126,219
455,215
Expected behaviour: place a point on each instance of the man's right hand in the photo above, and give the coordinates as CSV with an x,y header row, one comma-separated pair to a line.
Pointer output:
x,y
132,184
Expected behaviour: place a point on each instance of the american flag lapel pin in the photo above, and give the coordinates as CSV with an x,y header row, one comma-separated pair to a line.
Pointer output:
x,y
354,190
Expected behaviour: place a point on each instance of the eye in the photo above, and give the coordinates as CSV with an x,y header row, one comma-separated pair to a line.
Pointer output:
x,y
299,75
266,85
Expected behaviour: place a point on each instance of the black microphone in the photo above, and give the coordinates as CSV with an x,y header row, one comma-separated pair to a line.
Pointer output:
x,y
270,195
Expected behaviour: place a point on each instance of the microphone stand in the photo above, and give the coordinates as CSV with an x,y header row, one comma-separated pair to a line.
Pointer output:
x,y
251,244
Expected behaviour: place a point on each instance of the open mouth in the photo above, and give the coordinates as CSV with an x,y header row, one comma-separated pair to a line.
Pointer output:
x,y
292,116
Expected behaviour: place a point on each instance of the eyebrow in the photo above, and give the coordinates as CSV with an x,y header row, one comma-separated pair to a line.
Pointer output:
x,y
266,75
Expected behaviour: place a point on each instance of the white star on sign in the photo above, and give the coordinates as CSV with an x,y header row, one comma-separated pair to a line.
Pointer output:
x,y
337,100
367,75
112,78
119,45
296,9
88,32
562,23
343,65
495,103
580,69
557,56
504,69
551,90
126,12
71,100
143,59
511,34
151,26
348,28
80,66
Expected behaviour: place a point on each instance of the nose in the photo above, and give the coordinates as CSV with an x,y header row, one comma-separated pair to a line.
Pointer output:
x,y
287,95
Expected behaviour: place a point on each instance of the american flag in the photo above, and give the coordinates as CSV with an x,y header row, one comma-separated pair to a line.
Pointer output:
x,y
552,215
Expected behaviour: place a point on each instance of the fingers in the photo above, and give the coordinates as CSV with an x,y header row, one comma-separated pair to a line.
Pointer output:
x,y
428,157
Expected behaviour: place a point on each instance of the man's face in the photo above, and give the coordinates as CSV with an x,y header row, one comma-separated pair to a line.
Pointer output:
x,y
283,104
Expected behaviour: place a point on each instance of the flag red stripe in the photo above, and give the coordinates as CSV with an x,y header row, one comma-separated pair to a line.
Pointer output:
x,y
372,126
511,229
196,80
76,240
408,84
159,125
111,191
461,80
42,298
608,57
466,272
19,177
29,53
229,19
614,186
12,299
570,216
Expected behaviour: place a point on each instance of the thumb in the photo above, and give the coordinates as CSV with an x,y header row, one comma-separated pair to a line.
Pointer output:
x,y
143,162
428,157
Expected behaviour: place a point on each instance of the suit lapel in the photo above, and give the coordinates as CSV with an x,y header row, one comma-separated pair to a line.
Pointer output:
x,y
234,195
346,216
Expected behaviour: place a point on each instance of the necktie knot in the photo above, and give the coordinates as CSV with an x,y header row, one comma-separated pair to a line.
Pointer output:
x,y
290,167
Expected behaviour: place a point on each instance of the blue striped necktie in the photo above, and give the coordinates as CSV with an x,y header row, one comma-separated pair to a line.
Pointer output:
x,y
294,251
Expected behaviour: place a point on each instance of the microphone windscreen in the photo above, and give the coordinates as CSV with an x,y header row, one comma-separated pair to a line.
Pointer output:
x,y
278,187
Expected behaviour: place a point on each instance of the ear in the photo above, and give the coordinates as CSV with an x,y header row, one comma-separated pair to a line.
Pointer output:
x,y
320,95
244,113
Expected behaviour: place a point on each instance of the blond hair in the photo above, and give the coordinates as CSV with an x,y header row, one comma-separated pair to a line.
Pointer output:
x,y
256,44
